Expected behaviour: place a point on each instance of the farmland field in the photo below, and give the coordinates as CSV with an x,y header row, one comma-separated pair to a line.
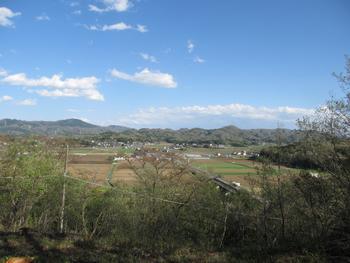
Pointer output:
x,y
96,165
100,150
226,166
240,170
226,150
99,173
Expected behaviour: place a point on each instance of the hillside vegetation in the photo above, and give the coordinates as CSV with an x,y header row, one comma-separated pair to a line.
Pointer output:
x,y
67,127
229,135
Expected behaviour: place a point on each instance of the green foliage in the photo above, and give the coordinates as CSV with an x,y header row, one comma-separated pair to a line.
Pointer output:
x,y
229,135
168,211
28,176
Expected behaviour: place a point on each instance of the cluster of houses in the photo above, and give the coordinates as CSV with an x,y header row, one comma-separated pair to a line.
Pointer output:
x,y
193,156
246,154
178,147
115,144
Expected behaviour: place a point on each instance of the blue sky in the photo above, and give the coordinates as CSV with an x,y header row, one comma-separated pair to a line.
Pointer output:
x,y
183,63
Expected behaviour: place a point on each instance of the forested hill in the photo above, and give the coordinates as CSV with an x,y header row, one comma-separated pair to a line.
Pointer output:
x,y
229,135
74,127
51,128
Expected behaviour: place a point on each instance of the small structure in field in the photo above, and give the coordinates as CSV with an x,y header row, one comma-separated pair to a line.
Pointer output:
x,y
238,185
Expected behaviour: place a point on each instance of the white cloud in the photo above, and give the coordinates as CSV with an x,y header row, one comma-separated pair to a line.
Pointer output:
x,y
96,9
111,5
76,12
92,27
141,28
83,119
147,77
5,16
73,110
167,51
27,102
43,17
121,26
117,26
166,116
198,60
5,98
3,72
190,46
74,4
148,57
58,87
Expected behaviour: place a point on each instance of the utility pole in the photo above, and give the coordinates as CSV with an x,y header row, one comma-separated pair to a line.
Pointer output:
x,y
64,191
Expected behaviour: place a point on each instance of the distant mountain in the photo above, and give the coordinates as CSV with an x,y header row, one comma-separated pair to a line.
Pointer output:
x,y
52,128
229,135
75,127
117,128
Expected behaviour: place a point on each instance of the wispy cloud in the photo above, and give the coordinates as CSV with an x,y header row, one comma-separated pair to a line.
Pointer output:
x,y
43,17
94,8
76,12
149,57
74,4
73,110
27,102
121,26
111,5
190,46
58,87
170,116
3,72
141,28
198,60
5,98
118,26
5,16
147,77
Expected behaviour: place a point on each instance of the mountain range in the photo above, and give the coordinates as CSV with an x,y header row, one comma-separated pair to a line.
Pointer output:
x,y
75,127
52,128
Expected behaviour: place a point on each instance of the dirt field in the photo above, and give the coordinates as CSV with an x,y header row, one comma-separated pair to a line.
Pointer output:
x,y
96,167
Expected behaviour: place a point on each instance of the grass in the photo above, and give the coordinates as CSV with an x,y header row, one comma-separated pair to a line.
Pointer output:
x,y
237,173
226,150
222,165
101,150
238,170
